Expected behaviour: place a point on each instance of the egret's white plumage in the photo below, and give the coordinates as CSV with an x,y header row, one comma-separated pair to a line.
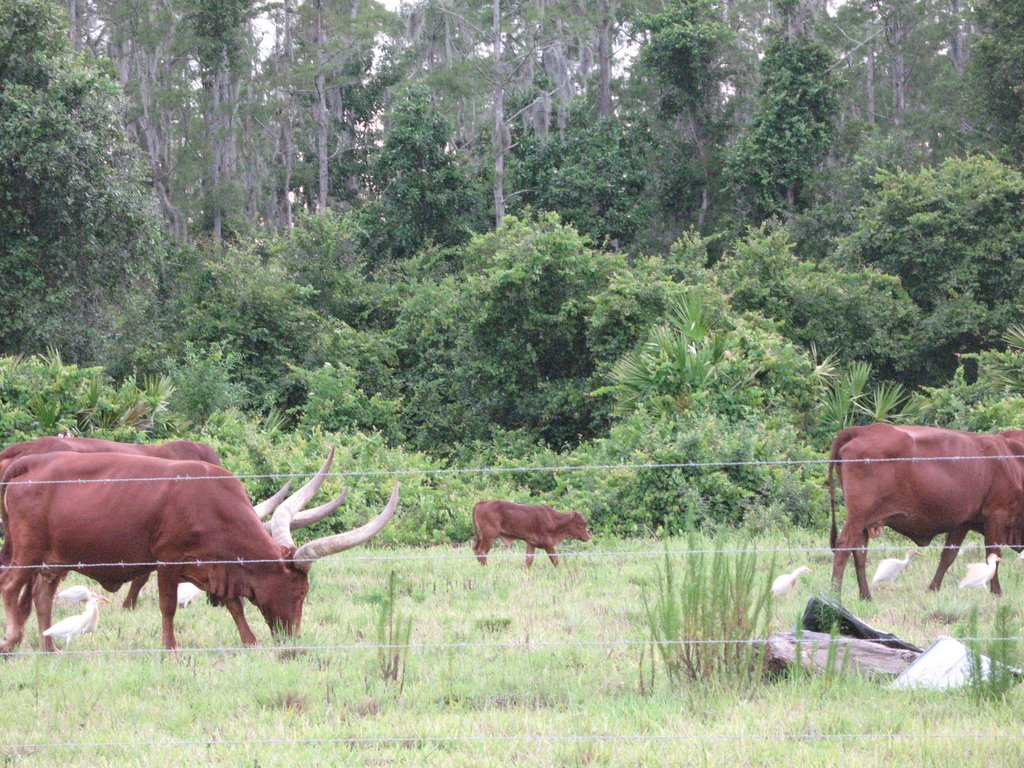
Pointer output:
x,y
980,574
79,593
80,624
187,592
784,584
892,567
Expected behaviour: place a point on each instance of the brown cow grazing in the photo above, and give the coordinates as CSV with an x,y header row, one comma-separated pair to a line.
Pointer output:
x,y
92,514
176,449
538,525
905,478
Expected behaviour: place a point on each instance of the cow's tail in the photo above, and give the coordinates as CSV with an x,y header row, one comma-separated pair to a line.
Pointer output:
x,y
837,445
6,551
476,530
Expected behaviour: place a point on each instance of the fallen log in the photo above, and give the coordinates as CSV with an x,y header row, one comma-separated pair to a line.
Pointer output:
x,y
818,651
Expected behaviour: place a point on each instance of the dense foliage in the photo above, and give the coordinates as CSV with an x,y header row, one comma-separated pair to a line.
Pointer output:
x,y
506,236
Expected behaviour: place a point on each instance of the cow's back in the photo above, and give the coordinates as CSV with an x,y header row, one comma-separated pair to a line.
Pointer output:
x,y
530,522
72,507
935,479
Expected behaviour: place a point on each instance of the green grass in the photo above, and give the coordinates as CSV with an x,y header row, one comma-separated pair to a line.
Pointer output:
x,y
500,705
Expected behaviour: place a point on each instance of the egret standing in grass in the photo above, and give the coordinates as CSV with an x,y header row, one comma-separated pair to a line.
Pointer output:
x,y
187,592
980,574
785,583
79,593
890,568
80,624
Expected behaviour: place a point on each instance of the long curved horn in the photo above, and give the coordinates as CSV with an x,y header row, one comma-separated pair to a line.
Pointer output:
x,y
316,514
280,524
309,516
265,508
329,545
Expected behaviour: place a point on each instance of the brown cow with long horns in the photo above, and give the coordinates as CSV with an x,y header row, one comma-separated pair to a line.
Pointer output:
x,y
45,589
923,482
93,514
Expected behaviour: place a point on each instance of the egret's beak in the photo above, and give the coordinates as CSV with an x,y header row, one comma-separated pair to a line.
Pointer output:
x,y
102,599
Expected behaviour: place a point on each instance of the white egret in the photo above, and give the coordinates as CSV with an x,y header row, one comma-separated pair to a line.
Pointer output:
x,y
980,574
187,592
890,568
79,593
80,624
785,583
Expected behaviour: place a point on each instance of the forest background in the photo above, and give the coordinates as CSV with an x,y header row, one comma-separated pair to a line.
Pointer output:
x,y
457,235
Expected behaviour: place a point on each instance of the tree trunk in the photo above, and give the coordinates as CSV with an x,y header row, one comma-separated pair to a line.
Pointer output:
x,y
322,117
869,82
76,21
819,652
604,56
896,33
287,126
957,51
499,117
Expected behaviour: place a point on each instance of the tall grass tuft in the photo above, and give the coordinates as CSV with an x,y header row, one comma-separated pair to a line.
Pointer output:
x,y
1002,651
719,598
393,633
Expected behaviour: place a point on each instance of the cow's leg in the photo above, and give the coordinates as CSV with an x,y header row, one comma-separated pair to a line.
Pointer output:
x,y
552,555
994,538
167,586
950,550
483,547
846,544
16,585
860,563
44,587
530,549
237,611
132,598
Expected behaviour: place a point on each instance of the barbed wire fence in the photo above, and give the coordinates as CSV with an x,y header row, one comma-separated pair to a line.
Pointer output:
x,y
527,646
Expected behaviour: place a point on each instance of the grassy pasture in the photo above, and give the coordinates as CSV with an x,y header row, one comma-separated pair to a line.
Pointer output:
x,y
481,703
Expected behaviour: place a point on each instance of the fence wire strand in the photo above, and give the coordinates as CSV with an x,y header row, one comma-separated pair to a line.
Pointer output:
x,y
514,470
1001,736
526,645
513,555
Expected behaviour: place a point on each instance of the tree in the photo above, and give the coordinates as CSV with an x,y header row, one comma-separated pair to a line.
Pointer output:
x,y
594,175
686,55
954,236
218,35
509,342
854,314
76,227
792,129
997,69
423,191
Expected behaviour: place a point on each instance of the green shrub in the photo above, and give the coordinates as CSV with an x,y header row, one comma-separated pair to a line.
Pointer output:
x,y
702,628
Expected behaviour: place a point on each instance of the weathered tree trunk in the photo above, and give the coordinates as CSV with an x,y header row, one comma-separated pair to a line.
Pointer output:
x,y
321,113
499,116
820,652
287,125
76,24
604,55
700,142
957,50
896,33
869,82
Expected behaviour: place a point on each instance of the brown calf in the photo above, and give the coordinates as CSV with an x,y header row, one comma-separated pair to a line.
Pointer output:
x,y
538,525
